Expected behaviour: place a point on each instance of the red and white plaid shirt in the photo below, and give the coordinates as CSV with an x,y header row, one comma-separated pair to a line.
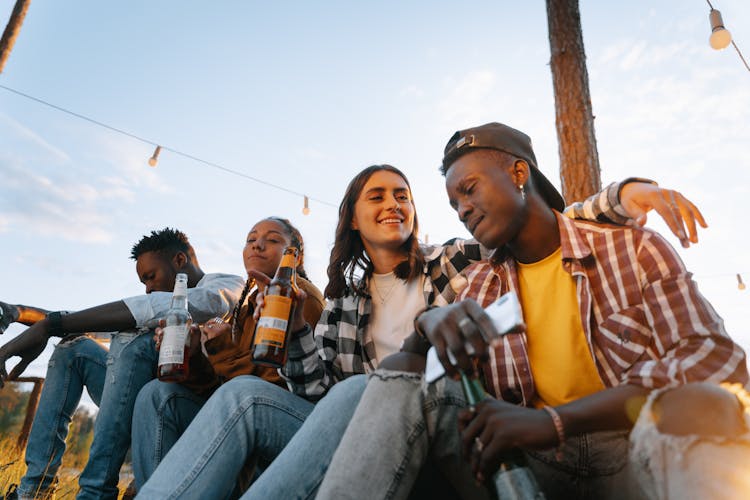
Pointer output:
x,y
645,321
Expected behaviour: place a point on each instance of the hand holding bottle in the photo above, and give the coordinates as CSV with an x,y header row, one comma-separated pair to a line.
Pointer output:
x,y
494,428
196,336
460,328
299,296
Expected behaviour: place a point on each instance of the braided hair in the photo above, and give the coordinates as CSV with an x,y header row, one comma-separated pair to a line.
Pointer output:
x,y
296,241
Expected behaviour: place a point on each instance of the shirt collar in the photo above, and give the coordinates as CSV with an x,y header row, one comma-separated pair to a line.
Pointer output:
x,y
573,243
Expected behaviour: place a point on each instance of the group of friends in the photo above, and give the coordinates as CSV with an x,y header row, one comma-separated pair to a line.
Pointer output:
x,y
623,382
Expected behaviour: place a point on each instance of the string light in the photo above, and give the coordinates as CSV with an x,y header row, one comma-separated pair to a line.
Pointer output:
x,y
740,283
306,208
155,157
155,144
720,37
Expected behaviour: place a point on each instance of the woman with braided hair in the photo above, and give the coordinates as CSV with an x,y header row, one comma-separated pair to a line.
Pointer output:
x,y
164,410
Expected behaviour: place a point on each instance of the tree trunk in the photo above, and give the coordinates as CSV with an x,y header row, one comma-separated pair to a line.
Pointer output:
x,y
12,29
574,119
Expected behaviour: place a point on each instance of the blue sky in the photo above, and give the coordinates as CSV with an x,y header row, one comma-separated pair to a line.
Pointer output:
x,y
305,94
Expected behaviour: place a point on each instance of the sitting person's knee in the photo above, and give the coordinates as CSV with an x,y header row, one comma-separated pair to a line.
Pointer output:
x,y
700,408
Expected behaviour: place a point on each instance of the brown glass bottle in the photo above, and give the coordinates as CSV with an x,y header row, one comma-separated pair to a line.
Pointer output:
x,y
174,352
272,330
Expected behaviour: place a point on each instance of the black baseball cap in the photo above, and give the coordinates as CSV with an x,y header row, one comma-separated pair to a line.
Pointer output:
x,y
508,140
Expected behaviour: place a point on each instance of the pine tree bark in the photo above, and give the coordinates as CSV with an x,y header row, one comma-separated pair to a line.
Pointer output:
x,y
574,118
12,30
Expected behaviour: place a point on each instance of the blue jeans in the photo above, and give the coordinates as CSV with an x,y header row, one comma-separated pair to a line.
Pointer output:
x,y
298,471
163,411
401,425
131,363
251,419
74,365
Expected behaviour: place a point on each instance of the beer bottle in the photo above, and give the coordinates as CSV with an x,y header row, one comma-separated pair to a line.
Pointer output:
x,y
174,352
17,313
272,330
514,480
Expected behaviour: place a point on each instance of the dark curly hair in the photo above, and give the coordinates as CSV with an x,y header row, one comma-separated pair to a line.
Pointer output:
x,y
167,242
348,254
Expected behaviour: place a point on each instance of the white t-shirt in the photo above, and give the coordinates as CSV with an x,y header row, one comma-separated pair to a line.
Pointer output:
x,y
394,305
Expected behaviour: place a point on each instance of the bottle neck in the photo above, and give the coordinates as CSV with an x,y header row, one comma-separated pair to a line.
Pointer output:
x,y
473,390
179,302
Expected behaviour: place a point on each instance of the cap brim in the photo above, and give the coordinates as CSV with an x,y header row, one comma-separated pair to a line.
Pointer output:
x,y
545,188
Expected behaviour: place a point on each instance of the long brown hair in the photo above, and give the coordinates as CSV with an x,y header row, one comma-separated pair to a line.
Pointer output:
x,y
348,254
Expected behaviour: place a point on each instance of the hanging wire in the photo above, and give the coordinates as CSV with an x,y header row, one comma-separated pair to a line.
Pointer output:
x,y
739,53
166,148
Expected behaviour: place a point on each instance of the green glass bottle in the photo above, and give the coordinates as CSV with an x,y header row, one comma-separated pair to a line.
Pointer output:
x,y
514,480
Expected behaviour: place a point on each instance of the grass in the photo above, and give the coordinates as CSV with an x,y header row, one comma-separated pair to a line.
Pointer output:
x,y
13,467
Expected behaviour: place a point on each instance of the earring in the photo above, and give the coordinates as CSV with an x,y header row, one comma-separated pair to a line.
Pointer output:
x,y
523,192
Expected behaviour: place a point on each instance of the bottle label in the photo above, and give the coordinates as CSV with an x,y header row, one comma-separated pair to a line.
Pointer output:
x,y
271,329
172,350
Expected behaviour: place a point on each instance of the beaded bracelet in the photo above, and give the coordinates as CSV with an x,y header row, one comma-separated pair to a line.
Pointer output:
x,y
557,421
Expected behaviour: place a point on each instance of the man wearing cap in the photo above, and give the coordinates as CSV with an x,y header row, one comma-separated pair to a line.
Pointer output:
x,y
612,319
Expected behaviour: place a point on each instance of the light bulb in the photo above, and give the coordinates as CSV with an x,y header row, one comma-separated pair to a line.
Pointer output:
x,y
155,157
720,36
306,208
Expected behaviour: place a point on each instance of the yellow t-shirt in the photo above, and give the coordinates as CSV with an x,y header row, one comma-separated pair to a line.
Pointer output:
x,y
560,359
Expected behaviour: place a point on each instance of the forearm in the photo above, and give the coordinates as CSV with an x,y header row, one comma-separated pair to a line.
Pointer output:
x,y
111,317
610,409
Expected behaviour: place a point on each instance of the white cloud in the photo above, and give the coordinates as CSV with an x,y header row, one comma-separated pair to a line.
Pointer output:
x,y
24,132
412,91
468,99
72,197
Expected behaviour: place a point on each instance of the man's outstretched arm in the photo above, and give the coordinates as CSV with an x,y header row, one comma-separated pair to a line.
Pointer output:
x,y
114,316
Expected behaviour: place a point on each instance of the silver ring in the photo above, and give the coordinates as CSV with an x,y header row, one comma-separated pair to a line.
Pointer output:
x,y
478,443
465,321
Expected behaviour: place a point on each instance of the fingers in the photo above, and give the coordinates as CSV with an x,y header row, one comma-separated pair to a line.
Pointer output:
x,y
670,212
678,212
464,418
215,327
441,349
690,214
18,369
158,335
259,277
475,423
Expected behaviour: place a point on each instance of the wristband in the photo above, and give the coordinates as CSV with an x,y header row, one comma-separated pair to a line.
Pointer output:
x,y
416,319
416,344
634,179
54,324
559,429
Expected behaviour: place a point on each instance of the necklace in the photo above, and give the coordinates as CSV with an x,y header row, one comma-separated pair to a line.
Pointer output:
x,y
391,278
